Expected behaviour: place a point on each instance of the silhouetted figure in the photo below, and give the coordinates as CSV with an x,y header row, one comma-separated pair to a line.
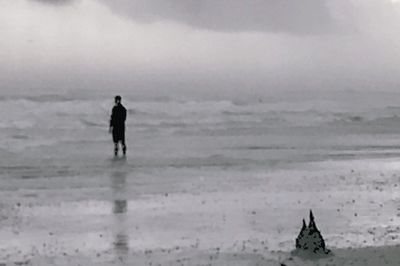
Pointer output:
x,y
117,125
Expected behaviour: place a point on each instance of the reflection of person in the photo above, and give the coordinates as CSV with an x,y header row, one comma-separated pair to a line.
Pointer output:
x,y
117,125
119,211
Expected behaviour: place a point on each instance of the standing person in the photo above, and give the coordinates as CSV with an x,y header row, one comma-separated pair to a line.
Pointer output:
x,y
117,125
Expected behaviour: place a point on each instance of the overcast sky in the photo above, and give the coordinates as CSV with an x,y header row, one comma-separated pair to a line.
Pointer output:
x,y
200,45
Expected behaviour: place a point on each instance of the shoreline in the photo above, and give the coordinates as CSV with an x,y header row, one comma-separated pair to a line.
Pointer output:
x,y
367,256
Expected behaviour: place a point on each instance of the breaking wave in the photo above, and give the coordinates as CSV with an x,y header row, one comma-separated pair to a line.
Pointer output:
x,y
60,111
84,119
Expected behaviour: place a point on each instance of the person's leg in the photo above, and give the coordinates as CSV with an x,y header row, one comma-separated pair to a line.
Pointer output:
x,y
123,146
115,140
123,140
115,148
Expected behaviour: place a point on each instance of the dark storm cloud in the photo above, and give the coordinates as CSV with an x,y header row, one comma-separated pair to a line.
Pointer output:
x,y
292,16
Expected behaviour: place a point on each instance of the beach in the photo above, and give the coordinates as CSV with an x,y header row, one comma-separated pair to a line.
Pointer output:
x,y
204,182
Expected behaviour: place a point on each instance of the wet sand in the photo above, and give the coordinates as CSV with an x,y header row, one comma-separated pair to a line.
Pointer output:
x,y
357,257
128,215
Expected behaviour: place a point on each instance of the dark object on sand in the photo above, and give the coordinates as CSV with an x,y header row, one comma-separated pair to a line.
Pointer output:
x,y
117,125
310,239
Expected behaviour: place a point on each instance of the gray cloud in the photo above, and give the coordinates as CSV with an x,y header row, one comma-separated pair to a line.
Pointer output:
x,y
88,46
54,2
292,16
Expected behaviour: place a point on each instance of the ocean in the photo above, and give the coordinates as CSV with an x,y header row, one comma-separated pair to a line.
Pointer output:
x,y
201,132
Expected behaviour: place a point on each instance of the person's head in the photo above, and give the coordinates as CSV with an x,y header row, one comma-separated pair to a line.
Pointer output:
x,y
118,99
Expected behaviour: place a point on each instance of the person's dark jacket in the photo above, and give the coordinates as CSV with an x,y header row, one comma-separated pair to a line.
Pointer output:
x,y
117,122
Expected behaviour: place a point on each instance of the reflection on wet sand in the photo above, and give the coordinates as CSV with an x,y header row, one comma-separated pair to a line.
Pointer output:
x,y
121,244
119,210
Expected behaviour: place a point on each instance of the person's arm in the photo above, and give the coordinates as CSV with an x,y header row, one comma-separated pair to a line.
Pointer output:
x,y
125,115
111,121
